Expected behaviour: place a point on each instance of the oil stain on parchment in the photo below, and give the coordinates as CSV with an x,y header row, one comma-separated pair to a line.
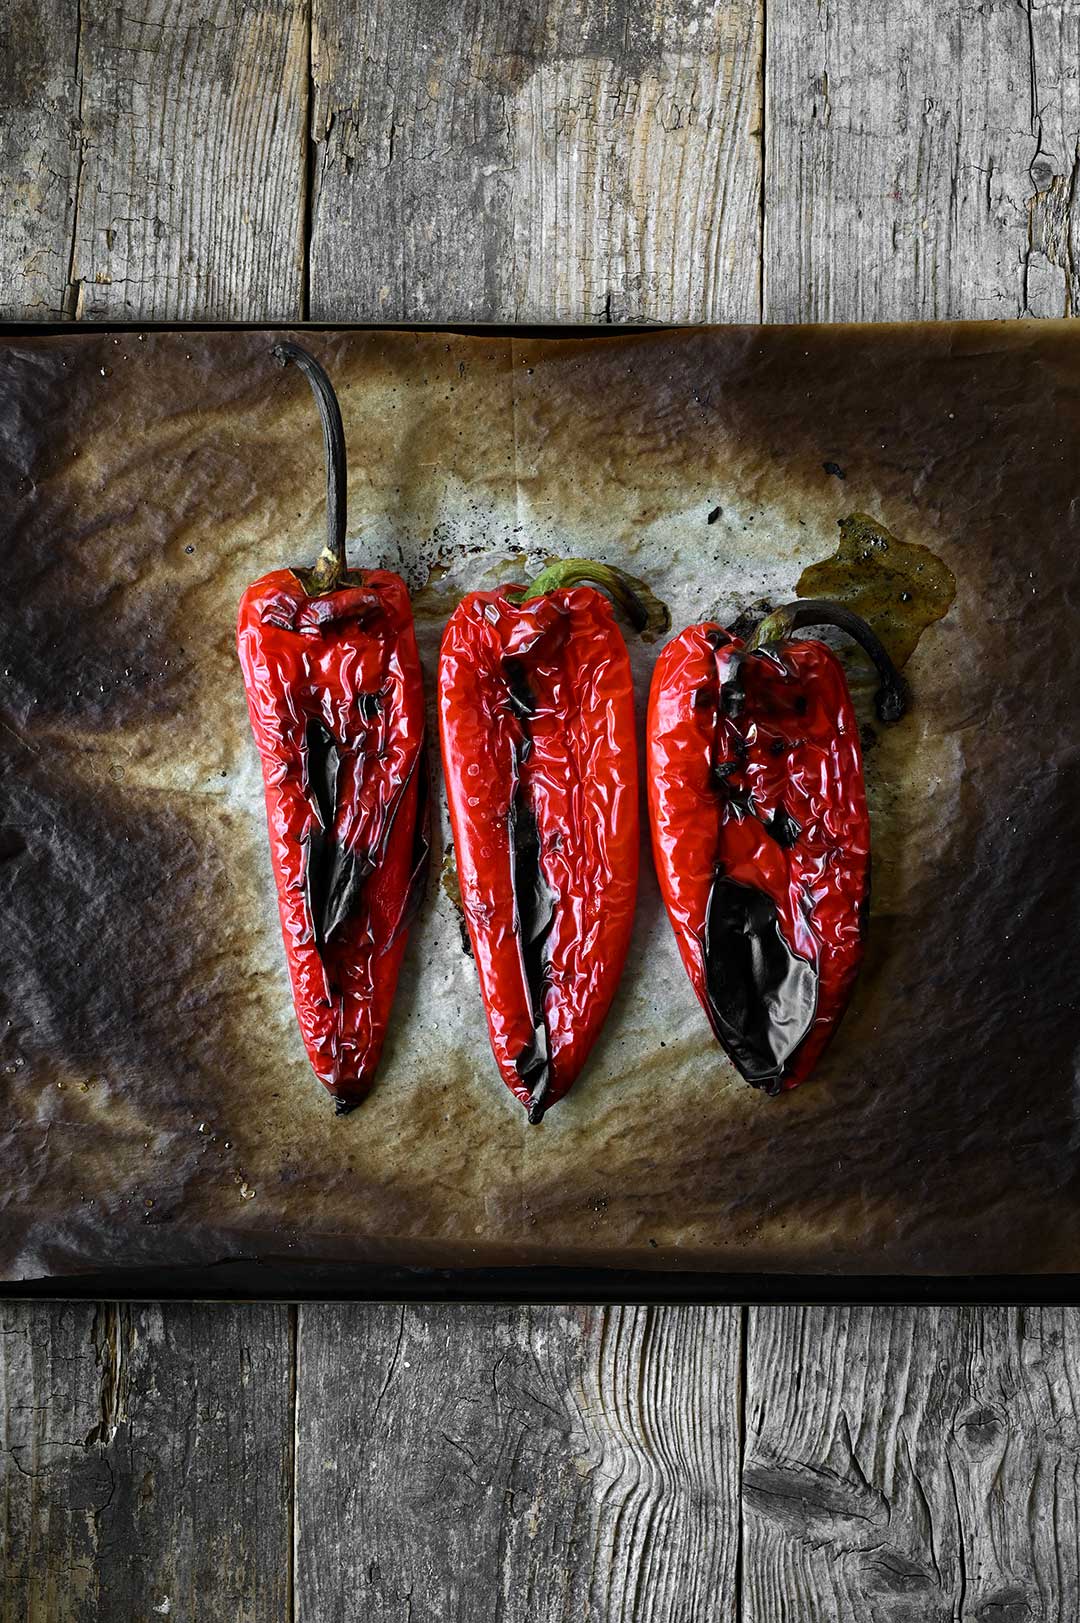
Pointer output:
x,y
898,586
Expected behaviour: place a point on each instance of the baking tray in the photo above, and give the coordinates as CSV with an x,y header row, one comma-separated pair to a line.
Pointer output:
x,y
163,1133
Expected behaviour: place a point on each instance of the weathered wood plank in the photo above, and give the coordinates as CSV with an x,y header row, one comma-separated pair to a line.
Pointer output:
x,y
147,1465
912,1464
38,156
921,163
191,200
539,1464
54,1480
587,162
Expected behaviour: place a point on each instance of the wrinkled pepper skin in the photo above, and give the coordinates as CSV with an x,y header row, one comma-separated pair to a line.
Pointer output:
x,y
761,840
536,717
334,692
337,711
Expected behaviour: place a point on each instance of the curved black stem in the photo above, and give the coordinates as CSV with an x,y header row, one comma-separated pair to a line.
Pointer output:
x,y
892,696
331,563
645,612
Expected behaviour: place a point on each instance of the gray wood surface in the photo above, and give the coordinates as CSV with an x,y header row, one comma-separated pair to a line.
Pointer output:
x,y
147,1463
921,162
39,144
605,160
587,162
517,1463
905,1463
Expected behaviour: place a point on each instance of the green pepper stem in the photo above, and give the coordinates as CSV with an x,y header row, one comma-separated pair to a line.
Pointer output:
x,y
892,696
645,612
331,563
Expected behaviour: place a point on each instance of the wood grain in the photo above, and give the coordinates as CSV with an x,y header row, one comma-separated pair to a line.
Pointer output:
x,y
190,203
591,162
912,1464
519,1463
921,163
39,157
147,1464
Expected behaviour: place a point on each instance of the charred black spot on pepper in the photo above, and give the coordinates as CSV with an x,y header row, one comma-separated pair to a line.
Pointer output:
x,y
333,876
716,637
783,828
762,995
534,914
741,801
518,691
732,698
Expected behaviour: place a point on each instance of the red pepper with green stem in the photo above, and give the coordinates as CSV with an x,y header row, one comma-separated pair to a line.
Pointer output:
x,y
335,696
536,715
760,830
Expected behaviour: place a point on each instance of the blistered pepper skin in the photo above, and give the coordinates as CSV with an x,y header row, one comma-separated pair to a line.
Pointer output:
x,y
536,719
336,702
761,839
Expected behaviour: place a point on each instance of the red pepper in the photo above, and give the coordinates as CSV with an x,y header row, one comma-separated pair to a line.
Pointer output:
x,y
536,711
760,830
337,709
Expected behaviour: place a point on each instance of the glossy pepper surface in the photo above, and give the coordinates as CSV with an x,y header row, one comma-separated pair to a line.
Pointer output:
x,y
760,830
536,714
334,692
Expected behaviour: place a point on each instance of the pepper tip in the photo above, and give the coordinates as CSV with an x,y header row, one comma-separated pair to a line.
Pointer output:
x,y
536,1112
343,1105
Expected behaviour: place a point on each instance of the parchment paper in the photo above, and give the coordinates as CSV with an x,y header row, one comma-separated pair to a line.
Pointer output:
x,y
158,1109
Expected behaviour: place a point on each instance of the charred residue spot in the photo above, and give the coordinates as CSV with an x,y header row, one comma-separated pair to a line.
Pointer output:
x,y
898,586
716,512
452,889
762,995
12,844
747,619
834,470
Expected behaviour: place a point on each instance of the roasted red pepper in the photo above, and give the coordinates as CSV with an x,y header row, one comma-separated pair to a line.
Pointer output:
x,y
337,709
760,830
536,711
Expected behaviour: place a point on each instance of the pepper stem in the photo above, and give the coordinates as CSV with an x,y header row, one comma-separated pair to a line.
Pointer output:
x,y
645,612
331,563
891,697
